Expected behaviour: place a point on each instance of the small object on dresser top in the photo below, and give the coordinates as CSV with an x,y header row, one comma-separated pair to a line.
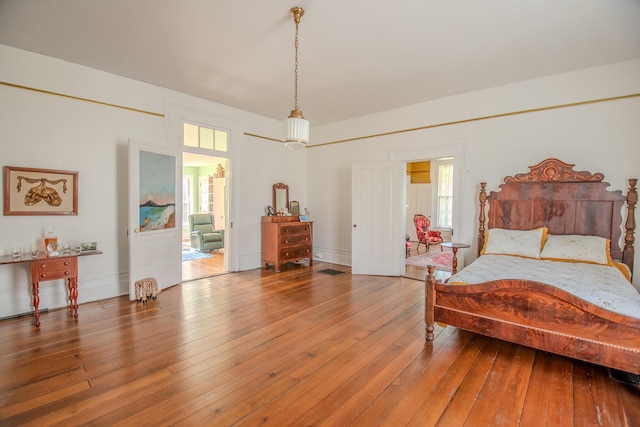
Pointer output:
x,y
88,247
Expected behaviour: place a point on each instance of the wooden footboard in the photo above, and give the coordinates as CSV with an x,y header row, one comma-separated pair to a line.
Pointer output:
x,y
538,316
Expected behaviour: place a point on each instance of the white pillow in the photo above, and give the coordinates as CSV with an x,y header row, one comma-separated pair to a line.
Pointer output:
x,y
524,243
592,249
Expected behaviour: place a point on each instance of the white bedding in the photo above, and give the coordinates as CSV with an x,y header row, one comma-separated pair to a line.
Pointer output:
x,y
601,285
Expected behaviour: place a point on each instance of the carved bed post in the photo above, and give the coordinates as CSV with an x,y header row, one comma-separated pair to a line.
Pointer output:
x,y
429,303
483,201
632,199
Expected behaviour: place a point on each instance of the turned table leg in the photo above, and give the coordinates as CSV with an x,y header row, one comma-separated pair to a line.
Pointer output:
x,y
36,302
454,261
73,295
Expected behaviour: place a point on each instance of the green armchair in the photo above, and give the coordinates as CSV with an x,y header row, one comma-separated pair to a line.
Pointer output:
x,y
204,236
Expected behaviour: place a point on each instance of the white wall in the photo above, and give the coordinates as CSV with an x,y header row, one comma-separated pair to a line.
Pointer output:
x,y
47,131
598,137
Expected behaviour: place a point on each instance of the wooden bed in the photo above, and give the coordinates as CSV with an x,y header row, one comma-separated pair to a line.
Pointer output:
x,y
535,314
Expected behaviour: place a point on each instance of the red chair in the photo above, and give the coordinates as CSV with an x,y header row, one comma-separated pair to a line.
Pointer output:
x,y
425,236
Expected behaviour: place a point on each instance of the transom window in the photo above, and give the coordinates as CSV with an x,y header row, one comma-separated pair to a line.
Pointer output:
x,y
205,138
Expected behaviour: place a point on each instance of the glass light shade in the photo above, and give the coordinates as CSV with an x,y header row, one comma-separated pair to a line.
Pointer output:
x,y
295,145
296,130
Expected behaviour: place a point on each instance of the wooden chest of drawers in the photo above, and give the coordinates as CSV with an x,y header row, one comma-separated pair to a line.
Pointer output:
x,y
285,239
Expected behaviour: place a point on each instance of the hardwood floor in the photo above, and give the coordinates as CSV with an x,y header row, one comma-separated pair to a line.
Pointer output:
x,y
204,267
297,347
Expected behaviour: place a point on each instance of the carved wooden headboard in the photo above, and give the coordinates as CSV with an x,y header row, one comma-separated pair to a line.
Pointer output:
x,y
552,194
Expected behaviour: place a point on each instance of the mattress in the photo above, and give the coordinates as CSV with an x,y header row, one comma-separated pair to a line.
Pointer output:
x,y
601,285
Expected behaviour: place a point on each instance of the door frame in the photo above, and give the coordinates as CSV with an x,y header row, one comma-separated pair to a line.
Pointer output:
x,y
438,149
215,158
176,116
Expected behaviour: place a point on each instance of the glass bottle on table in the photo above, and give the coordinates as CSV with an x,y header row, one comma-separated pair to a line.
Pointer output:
x,y
49,238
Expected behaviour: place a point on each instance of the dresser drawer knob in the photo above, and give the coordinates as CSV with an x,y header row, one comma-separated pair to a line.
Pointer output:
x,y
67,262
66,273
43,275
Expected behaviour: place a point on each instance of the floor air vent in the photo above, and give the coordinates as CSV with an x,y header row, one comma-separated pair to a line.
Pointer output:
x,y
330,272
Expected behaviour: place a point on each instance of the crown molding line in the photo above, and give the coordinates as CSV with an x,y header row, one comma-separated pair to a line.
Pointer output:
x,y
473,119
77,98
263,137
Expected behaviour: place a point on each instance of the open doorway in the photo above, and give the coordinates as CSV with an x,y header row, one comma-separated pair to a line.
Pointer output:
x,y
429,216
204,210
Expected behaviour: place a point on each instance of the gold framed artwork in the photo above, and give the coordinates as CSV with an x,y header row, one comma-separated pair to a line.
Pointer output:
x,y
30,191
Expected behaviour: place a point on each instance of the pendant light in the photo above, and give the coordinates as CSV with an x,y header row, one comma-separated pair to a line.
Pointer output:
x,y
296,126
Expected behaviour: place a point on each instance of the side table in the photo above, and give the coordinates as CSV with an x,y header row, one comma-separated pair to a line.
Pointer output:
x,y
44,268
454,247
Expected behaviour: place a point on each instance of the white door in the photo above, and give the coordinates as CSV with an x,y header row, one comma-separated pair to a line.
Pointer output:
x,y
377,218
154,222
218,202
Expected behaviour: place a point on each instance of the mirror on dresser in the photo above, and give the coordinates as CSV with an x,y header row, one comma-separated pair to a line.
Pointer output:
x,y
280,197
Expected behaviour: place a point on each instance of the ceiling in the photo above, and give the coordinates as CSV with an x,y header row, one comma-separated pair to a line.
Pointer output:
x,y
357,57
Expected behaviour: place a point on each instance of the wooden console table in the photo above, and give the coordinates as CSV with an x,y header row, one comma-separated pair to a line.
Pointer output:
x,y
45,268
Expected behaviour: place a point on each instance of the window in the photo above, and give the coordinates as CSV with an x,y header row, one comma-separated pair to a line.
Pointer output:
x,y
445,195
205,195
205,138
